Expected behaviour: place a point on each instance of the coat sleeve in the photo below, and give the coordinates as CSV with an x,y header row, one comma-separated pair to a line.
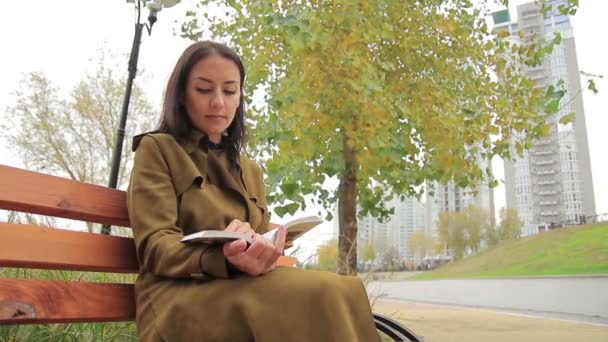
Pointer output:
x,y
152,204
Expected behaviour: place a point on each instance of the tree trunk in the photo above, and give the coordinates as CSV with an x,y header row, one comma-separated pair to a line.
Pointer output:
x,y
347,212
491,190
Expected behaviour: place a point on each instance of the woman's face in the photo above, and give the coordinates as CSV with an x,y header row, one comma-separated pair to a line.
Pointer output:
x,y
213,95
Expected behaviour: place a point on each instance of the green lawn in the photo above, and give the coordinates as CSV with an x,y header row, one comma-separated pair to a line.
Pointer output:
x,y
565,251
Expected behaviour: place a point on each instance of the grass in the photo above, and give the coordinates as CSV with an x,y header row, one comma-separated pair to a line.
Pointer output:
x,y
67,332
565,251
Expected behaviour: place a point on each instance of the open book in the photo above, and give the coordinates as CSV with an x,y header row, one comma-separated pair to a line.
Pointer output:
x,y
295,229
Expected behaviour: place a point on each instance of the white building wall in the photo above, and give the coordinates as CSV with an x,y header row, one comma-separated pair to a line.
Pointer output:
x,y
551,183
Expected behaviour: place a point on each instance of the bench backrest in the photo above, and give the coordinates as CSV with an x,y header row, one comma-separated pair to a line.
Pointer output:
x,y
28,246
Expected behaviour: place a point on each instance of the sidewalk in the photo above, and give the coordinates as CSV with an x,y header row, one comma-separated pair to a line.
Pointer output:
x,y
438,323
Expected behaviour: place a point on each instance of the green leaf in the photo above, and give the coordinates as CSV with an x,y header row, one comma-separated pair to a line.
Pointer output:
x,y
568,118
591,86
552,107
290,209
289,189
503,34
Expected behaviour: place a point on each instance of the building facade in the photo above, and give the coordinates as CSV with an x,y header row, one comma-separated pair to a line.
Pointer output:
x,y
551,183
412,214
409,216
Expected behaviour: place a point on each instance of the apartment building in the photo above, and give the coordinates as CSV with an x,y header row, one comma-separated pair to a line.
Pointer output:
x,y
552,182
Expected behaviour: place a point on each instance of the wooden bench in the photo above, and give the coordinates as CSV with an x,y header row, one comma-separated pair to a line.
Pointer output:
x,y
27,301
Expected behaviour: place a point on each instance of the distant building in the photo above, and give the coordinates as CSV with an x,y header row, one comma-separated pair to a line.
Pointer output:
x,y
409,216
551,183
412,214
450,197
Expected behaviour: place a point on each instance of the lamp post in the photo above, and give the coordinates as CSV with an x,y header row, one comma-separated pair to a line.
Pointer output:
x,y
154,6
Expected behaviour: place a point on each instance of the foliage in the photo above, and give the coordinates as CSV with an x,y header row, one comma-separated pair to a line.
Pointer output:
x,y
368,253
391,260
462,233
477,224
564,251
91,332
510,225
382,95
491,236
452,233
421,244
74,137
27,218
327,255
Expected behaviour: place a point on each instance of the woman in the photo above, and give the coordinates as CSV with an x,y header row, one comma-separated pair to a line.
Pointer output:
x,y
190,175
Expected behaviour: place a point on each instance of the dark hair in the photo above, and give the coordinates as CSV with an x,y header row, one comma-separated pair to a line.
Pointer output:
x,y
174,118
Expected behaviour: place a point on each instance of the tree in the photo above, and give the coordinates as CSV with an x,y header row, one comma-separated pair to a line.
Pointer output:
x,y
491,236
391,260
510,224
452,233
477,223
420,244
462,232
381,95
327,255
368,253
74,137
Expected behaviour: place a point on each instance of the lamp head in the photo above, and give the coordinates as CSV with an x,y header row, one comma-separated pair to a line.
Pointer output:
x,y
169,3
158,5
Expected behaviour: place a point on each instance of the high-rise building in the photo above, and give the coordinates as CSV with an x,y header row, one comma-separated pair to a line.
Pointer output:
x,y
551,182
412,214
409,216
450,197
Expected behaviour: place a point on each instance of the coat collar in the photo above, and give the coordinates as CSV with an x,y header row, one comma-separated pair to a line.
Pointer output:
x,y
199,140
195,141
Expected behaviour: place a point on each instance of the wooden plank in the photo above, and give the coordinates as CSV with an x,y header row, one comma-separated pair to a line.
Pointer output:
x,y
25,301
287,261
38,193
31,246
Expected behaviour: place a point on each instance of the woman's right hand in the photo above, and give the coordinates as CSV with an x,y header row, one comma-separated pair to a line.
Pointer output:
x,y
261,256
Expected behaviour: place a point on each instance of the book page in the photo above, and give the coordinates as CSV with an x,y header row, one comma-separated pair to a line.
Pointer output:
x,y
296,228
215,237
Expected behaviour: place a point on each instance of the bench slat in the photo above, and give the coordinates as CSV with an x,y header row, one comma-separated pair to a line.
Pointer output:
x,y
26,301
37,193
32,246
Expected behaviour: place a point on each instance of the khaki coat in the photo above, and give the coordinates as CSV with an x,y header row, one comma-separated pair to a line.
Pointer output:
x,y
187,292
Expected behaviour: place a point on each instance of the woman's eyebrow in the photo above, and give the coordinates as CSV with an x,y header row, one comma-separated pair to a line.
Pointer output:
x,y
210,81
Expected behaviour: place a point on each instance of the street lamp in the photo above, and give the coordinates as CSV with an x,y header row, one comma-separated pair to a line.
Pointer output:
x,y
154,7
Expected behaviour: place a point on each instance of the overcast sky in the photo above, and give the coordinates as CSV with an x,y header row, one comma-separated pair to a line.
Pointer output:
x,y
60,37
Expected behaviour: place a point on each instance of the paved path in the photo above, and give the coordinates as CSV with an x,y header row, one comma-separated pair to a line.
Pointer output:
x,y
571,298
439,323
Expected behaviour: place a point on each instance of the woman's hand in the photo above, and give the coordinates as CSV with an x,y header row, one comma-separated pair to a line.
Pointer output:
x,y
261,256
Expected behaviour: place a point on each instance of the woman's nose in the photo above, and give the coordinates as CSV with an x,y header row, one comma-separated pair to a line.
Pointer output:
x,y
217,101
